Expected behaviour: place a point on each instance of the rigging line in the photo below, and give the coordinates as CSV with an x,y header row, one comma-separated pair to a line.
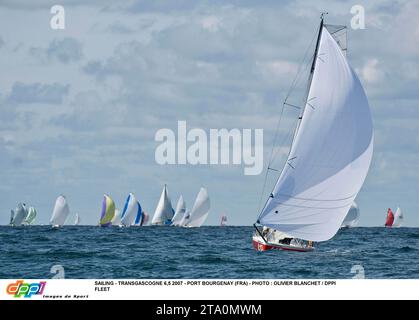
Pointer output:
x,y
298,74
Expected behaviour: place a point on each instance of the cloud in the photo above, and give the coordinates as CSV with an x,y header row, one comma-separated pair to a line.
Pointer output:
x,y
118,27
37,93
65,50
371,71
1,42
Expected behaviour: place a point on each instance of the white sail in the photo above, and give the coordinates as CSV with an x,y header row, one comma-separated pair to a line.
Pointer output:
x,y
77,220
180,211
200,210
398,218
130,211
330,155
12,215
60,212
20,214
116,221
30,217
164,211
352,217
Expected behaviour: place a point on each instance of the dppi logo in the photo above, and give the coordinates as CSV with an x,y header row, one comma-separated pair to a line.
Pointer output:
x,y
27,290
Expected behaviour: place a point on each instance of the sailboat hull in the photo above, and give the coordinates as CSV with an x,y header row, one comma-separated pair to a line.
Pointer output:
x,y
261,245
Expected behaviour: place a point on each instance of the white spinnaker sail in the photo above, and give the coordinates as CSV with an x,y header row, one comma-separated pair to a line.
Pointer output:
x,y
180,211
330,156
130,211
77,220
30,217
352,217
60,212
200,209
398,218
164,211
20,214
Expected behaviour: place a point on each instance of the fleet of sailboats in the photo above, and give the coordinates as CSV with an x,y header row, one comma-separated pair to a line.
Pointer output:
x,y
329,157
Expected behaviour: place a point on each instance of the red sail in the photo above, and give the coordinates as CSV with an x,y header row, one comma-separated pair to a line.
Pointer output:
x,y
390,218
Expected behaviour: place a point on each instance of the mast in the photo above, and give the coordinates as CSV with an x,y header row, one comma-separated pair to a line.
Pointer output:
x,y
310,79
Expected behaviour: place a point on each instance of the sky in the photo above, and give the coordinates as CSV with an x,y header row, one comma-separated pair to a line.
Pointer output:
x,y
80,107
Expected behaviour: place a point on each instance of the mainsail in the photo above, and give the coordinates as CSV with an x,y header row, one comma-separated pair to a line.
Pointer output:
x,y
200,210
352,217
180,211
164,211
77,220
108,211
60,212
30,217
20,214
116,221
331,152
398,218
130,210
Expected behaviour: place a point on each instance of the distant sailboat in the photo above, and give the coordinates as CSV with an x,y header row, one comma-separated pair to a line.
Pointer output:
x,y
116,221
30,217
223,221
108,211
164,211
180,212
77,220
390,218
60,212
130,210
19,215
398,218
139,217
352,218
329,158
145,218
200,210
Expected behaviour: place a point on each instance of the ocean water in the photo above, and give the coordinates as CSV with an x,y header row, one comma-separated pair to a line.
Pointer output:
x,y
207,252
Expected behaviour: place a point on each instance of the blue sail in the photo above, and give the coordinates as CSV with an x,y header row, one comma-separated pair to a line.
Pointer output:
x,y
124,211
139,217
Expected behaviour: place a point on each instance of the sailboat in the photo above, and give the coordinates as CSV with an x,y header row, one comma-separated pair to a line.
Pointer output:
x,y
329,157
77,220
116,221
164,211
389,219
352,217
144,219
130,211
180,211
108,211
398,218
30,217
18,215
199,212
139,217
223,221
60,212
